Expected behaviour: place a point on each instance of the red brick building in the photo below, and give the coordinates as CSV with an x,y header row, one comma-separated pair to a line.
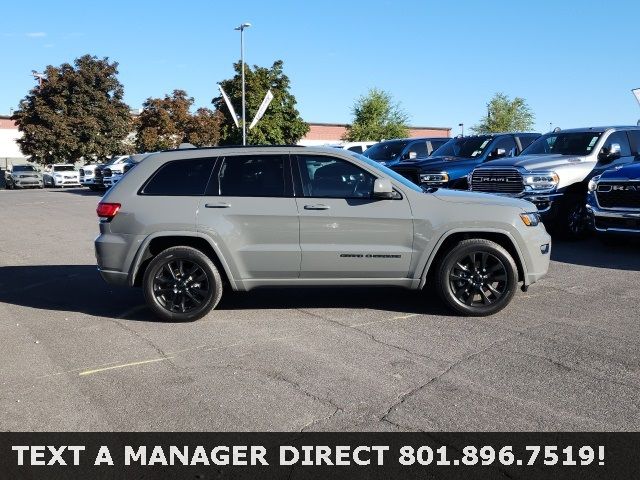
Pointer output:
x,y
323,133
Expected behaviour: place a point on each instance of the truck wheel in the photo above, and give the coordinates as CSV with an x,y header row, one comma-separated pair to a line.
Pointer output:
x,y
181,284
477,277
574,219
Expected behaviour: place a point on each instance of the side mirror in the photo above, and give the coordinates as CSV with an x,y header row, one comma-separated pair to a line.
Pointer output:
x,y
410,156
611,154
383,189
498,153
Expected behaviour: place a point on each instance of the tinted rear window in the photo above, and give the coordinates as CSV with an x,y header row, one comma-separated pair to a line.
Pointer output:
x,y
252,176
180,178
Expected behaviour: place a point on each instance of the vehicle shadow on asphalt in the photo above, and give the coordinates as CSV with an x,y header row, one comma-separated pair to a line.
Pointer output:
x,y
83,192
79,288
624,255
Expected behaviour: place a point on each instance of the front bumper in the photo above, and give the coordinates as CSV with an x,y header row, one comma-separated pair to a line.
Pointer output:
x,y
86,181
613,221
537,254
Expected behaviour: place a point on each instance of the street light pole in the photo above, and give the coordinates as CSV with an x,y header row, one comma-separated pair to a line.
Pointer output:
x,y
244,123
461,125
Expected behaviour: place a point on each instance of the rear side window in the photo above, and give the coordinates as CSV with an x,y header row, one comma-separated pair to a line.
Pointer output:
x,y
252,176
634,139
180,178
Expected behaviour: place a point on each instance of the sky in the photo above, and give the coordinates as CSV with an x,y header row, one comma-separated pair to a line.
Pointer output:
x,y
573,61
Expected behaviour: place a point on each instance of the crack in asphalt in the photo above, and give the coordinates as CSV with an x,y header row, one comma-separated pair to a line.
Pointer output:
x,y
371,336
279,377
404,396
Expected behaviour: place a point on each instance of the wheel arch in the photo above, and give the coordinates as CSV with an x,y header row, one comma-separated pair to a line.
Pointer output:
x,y
452,238
154,244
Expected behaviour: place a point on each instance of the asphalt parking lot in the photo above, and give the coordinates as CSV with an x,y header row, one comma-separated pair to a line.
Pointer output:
x,y
78,354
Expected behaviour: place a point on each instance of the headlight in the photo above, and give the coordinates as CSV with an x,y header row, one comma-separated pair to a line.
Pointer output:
x,y
442,177
540,181
593,183
531,219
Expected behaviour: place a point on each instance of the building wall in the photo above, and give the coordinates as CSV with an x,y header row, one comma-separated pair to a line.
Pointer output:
x,y
10,153
324,133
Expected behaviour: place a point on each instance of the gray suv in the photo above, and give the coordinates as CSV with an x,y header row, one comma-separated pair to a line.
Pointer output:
x,y
185,224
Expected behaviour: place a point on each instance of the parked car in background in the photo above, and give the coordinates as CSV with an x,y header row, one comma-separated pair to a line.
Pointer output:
x,y
23,176
554,172
87,176
450,164
184,223
357,147
113,173
61,175
613,201
98,172
393,152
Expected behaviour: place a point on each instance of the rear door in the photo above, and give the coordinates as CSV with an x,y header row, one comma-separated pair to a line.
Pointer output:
x,y
250,213
344,232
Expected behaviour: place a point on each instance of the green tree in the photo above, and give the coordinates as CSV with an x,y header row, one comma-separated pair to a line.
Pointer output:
x,y
376,117
203,129
163,122
281,123
505,115
77,112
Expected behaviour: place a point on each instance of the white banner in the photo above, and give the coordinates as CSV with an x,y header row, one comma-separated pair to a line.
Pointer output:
x,y
263,108
229,106
636,92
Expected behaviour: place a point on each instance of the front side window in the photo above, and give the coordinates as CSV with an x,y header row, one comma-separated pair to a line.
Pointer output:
x,y
252,176
180,178
329,177
386,151
420,148
634,139
508,144
621,139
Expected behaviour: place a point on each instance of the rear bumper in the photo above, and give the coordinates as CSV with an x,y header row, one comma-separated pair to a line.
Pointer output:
x,y
114,278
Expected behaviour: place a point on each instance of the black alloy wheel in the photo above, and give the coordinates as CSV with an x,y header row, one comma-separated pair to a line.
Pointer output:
x,y
181,284
477,277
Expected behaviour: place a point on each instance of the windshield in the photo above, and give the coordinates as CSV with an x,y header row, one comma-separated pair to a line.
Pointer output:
x,y
385,151
24,168
564,143
464,147
387,171
64,168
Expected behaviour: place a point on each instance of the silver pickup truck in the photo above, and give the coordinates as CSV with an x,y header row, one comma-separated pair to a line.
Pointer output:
x,y
182,224
554,172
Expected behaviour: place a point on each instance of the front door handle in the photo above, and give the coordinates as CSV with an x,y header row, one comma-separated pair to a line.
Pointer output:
x,y
318,206
217,205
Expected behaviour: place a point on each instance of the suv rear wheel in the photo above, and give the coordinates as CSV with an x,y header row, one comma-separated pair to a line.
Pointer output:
x,y
182,284
477,277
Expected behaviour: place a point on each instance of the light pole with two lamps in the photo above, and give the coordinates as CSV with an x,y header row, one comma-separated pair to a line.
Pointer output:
x,y
244,125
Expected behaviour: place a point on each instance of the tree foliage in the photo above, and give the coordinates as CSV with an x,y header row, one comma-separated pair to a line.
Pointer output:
x,y
77,112
167,122
281,123
377,117
505,115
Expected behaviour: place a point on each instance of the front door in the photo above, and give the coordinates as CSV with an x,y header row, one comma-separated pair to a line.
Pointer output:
x,y
344,232
250,213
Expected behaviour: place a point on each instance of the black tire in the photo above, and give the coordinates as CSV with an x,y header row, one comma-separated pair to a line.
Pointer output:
x,y
477,277
170,291
93,188
573,219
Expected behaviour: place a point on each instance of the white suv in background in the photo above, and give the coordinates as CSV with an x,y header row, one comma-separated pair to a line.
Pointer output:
x,y
61,175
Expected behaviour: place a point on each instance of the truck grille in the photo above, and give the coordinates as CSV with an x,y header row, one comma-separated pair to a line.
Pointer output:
x,y
106,172
619,195
411,174
497,180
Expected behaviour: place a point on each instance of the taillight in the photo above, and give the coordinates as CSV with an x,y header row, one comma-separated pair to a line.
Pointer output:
x,y
107,211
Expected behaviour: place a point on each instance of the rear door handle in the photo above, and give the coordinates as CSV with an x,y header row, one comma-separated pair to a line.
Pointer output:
x,y
217,205
318,206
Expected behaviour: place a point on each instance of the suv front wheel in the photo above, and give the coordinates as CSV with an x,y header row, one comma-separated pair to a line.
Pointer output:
x,y
477,277
181,284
